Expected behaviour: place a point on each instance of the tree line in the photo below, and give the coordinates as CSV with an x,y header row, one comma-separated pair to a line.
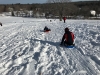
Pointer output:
x,y
60,9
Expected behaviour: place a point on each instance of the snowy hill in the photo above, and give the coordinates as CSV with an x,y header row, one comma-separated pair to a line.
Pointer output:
x,y
26,50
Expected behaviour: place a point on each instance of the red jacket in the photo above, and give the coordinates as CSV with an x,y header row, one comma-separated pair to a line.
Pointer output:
x,y
68,37
64,18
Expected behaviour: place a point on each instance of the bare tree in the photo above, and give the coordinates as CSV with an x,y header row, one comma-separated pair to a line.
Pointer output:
x,y
58,1
60,6
11,10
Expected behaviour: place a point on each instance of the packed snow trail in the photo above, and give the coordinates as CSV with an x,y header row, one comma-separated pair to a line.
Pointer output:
x,y
26,50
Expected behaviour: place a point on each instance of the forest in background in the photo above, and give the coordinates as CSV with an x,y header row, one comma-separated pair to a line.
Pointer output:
x,y
81,8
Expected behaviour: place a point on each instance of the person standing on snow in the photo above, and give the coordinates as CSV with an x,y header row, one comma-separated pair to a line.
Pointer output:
x,y
64,18
68,38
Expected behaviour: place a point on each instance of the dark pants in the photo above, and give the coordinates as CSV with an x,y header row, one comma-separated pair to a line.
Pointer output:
x,y
68,43
1,24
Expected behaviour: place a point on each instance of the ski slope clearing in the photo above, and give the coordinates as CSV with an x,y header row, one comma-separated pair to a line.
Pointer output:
x,y
26,50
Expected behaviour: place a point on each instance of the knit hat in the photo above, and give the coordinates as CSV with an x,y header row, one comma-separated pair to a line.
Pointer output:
x,y
66,29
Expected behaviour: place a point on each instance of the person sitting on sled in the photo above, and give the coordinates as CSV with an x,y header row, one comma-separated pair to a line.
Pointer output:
x,y
46,29
68,38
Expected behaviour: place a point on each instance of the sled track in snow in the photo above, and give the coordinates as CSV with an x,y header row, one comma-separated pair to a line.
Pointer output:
x,y
82,65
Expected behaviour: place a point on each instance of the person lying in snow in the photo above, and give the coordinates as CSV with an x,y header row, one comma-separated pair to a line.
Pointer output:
x,y
46,29
68,38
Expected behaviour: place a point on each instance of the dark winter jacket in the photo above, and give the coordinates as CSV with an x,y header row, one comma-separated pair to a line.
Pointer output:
x,y
68,37
46,29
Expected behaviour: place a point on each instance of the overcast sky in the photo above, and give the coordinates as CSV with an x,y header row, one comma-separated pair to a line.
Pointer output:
x,y
26,1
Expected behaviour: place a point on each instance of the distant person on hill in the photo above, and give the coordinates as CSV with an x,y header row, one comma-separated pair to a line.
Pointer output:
x,y
64,18
68,38
46,29
0,23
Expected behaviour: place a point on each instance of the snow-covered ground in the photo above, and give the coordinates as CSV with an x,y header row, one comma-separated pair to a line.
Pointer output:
x,y
26,50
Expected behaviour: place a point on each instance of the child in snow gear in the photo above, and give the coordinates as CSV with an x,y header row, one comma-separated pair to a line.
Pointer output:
x,y
46,29
64,18
68,38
